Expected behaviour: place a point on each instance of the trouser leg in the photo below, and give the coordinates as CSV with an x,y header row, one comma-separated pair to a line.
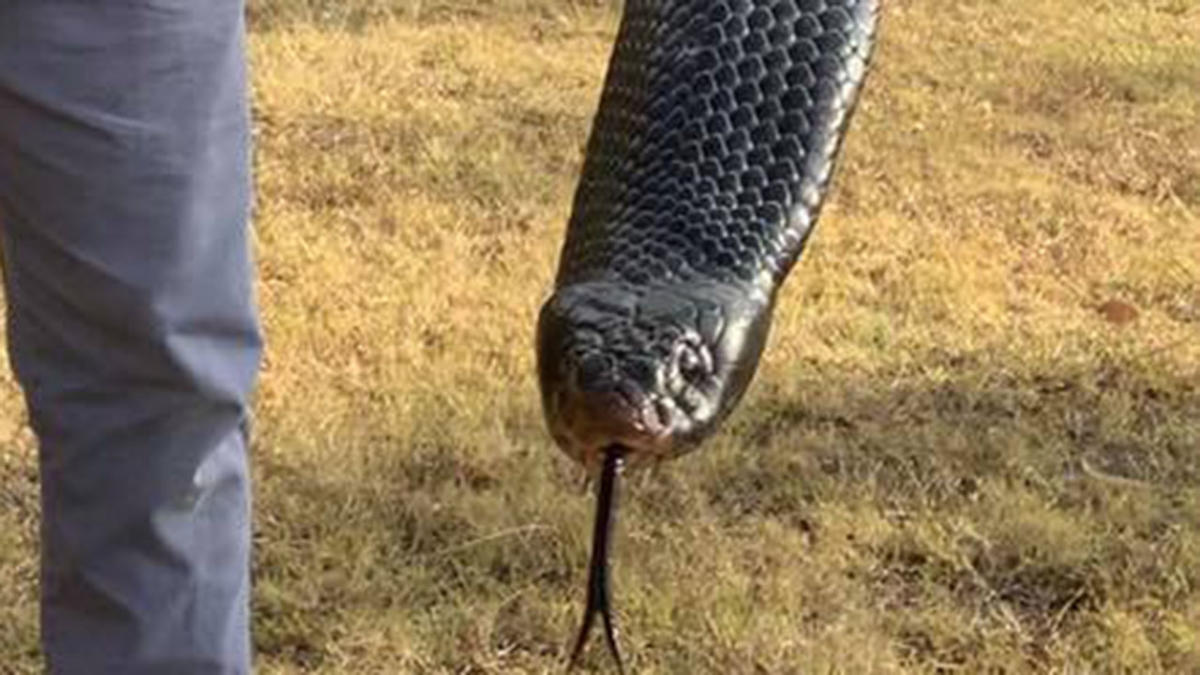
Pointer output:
x,y
124,194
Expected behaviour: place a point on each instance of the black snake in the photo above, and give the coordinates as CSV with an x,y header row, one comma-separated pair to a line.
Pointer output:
x,y
716,136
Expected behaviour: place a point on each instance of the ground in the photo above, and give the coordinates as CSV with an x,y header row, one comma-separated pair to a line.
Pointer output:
x,y
972,444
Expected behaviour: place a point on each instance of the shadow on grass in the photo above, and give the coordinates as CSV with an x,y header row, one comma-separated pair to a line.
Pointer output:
x,y
1032,509
1038,506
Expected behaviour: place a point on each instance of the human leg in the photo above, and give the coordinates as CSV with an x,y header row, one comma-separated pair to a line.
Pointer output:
x,y
124,195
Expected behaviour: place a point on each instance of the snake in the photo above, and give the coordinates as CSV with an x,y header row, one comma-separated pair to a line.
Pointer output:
x,y
716,137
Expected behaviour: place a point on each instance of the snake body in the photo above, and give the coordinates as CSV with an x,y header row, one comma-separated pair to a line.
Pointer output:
x,y
716,137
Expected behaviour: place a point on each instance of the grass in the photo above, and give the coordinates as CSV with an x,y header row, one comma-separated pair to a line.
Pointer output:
x,y
958,456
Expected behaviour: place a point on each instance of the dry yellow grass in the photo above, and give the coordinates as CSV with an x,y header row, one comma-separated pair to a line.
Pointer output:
x,y
952,460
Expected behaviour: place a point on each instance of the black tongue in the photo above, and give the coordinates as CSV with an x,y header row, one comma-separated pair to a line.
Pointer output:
x,y
599,599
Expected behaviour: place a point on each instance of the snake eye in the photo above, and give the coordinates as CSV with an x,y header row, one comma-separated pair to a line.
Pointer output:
x,y
691,362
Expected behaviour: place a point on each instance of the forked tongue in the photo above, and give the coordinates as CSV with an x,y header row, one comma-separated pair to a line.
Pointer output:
x,y
599,599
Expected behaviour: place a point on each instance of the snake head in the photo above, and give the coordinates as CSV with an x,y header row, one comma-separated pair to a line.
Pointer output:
x,y
653,368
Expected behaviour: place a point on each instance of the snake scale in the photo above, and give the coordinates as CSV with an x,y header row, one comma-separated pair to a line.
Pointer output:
x,y
716,136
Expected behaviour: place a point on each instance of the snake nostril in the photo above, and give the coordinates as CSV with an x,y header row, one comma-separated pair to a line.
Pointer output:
x,y
594,371
643,372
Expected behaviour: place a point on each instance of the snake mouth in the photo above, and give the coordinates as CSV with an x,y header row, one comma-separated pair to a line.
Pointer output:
x,y
623,415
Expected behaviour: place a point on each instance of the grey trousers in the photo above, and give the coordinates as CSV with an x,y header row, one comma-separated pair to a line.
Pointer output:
x,y
124,199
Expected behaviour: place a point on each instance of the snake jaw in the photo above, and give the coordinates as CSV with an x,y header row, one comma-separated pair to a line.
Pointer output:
x,y
591,422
